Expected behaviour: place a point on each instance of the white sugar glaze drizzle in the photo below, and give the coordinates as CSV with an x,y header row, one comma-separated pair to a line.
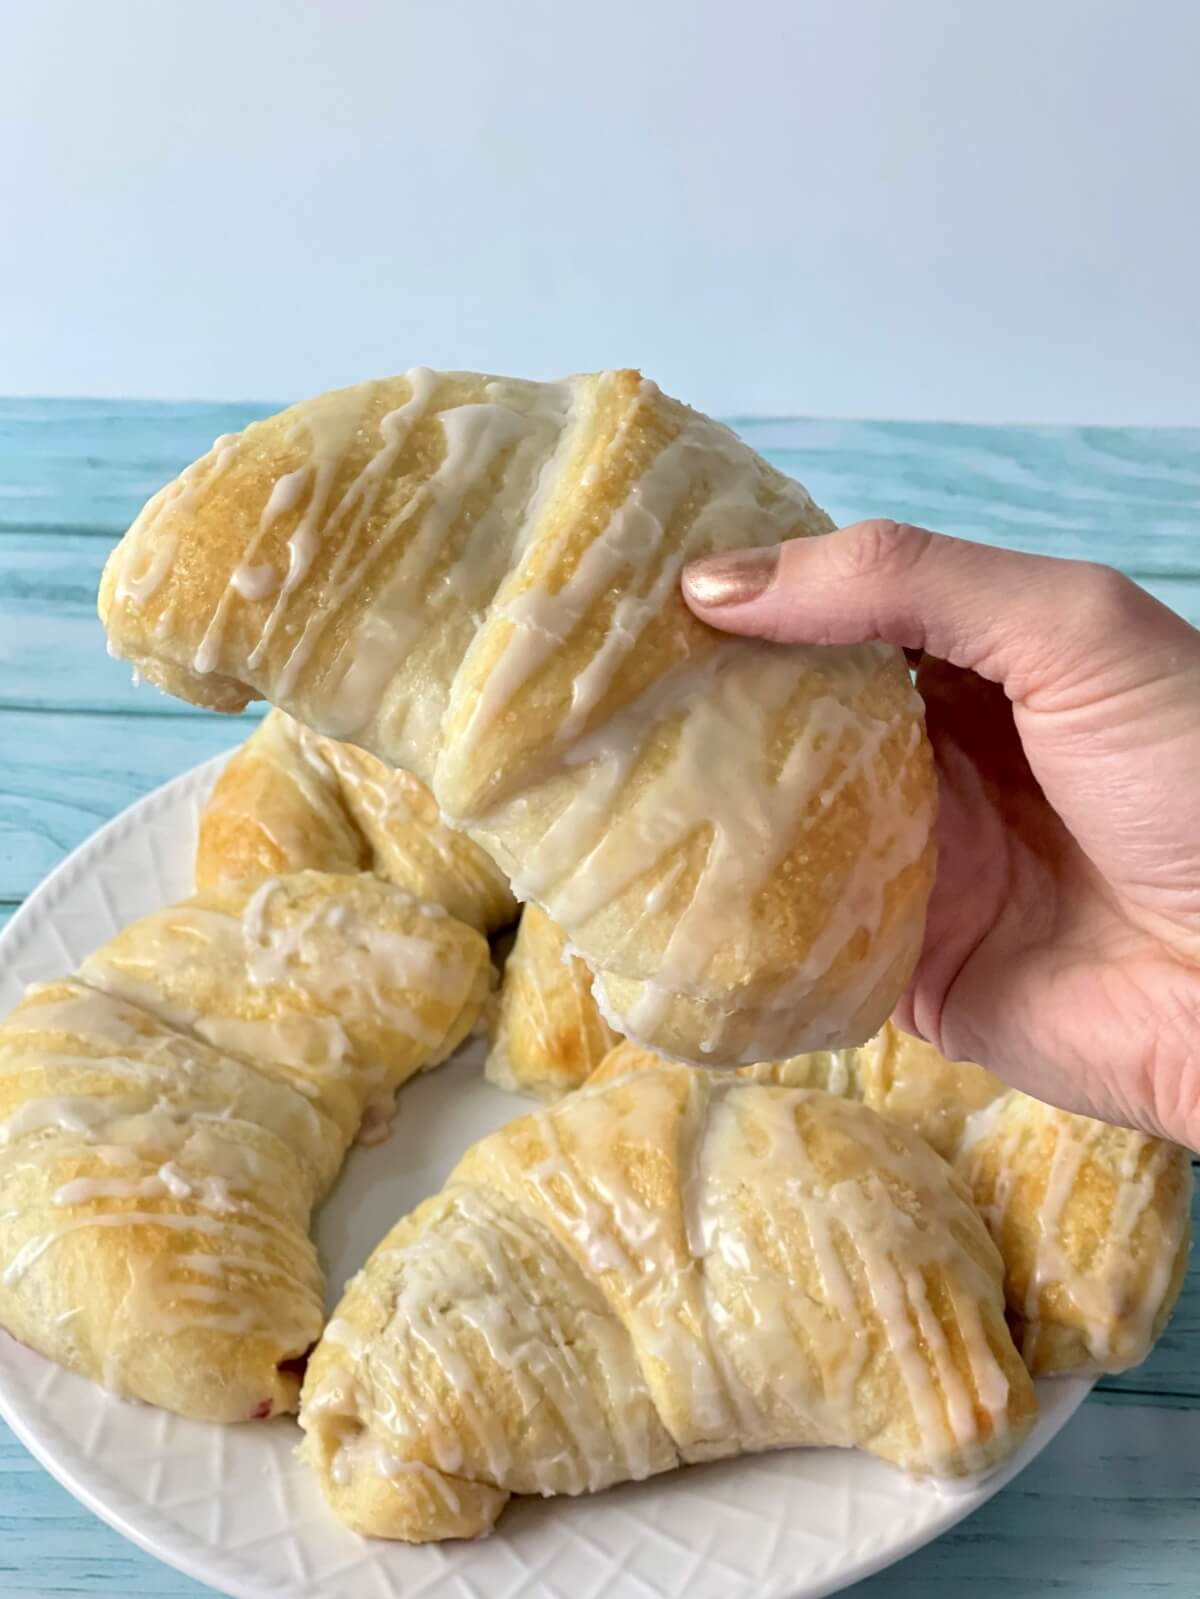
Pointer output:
x,y
628,550
174,1220
288,962
343,1333
448,576
216,1175
747,811
476,437
363,1453
157,1138
116,1127
273,1288
582,862
751,1328
381,956
142,587
1101,1267
466,1280
209,1192
255,582
185,492
1114,1292
854,1228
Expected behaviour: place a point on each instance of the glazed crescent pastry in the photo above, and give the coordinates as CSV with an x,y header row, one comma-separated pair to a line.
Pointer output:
x,y
169,1117
671,1267
548,1035
1092,1221
288,800
477,580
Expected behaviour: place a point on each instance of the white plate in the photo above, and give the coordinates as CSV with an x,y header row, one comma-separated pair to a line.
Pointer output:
x,y
232,1506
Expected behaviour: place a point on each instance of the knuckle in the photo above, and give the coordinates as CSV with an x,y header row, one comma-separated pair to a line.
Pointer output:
x,y
1106,596
880,546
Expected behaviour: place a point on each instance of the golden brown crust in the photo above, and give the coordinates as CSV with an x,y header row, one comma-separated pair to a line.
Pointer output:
x,y
271,812
668,1267
549,1035
288,800
169,1118
1092,1222
146,1305
1094,1226
477,580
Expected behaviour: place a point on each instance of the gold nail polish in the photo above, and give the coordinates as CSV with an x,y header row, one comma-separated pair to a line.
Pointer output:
x,y
732,579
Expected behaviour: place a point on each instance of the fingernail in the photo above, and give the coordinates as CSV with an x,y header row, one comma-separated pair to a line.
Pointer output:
x,y
733,579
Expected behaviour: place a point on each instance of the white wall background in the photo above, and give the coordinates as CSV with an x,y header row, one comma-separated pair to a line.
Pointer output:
x,y
911,208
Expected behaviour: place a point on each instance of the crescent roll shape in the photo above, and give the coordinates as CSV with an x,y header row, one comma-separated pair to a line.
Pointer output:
x,y
667,1268
170,1116
1092,1221
477,580
288,800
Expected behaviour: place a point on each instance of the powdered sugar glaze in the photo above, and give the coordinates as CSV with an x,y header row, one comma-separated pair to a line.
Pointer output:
x,y
429,592
552,1324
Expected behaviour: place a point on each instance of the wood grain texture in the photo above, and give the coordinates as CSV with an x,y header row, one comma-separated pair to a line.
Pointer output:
x,y
1112,1509
1109,1511
64,774
88,465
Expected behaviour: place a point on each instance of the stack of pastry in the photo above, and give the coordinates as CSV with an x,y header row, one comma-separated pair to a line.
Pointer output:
x,y
461,594
289,800
1092,1221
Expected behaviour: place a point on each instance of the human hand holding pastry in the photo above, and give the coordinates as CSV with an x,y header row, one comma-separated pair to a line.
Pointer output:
x,y
1063,702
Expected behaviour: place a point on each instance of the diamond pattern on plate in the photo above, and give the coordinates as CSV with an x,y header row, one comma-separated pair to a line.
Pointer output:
x,y
233,1507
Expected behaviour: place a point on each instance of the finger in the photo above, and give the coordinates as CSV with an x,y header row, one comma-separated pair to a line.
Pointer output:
x,y
1030,622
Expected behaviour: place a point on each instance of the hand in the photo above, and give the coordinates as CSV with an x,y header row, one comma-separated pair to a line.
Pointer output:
x,y
1062,947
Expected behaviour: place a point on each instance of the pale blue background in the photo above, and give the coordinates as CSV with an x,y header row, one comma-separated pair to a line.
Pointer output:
x,y
1112,1510
921,208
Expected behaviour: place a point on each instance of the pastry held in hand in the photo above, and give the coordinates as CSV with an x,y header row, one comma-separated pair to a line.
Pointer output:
x,y
288,800
477,579
1092,1221
169,1118
549,1035
669,1268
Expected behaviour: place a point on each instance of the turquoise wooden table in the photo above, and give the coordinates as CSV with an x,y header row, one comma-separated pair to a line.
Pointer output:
x,y
1112,1509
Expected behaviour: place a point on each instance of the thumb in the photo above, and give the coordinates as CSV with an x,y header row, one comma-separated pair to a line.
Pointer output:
x,y
1038,625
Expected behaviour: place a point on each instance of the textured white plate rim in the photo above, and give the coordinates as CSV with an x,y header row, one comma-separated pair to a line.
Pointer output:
x,y
144,1523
